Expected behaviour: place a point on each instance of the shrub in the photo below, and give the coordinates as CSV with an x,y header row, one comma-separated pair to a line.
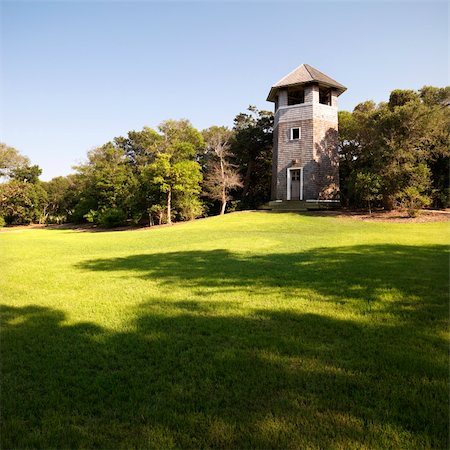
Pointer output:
x,y
2,222
111,217
91,216
56,218
189,207
413,200
442,197
234,205
367,187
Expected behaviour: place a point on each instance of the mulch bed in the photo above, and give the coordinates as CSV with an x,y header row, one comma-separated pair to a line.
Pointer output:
x,y
423,216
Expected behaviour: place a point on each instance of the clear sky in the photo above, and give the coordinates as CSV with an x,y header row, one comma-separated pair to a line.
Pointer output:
x,y
76,74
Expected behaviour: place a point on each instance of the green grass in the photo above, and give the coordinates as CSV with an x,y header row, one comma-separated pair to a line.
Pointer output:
x,y
255,330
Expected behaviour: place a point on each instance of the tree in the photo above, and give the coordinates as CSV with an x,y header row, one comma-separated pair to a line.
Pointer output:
x,y
26,173
139,174
438,160
434,96
367,186
221,176
62,197
22,198
175,171
412,197
21,202
106,181
252,153
140,147
393,141
10,159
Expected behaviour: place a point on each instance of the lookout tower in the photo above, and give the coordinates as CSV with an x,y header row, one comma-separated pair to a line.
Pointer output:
x,y
305,165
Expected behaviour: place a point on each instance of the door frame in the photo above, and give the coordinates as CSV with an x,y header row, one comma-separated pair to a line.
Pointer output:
x,y
289,182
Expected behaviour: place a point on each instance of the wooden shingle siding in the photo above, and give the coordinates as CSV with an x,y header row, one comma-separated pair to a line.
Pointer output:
x,y
315,151
297,112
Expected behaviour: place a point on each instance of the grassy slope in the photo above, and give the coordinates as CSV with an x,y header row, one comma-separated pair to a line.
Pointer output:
x,y
252,330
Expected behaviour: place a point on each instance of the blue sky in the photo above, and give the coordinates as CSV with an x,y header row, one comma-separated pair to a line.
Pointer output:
x,y
76,74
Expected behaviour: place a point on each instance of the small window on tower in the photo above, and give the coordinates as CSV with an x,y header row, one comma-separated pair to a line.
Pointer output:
x,y
295,134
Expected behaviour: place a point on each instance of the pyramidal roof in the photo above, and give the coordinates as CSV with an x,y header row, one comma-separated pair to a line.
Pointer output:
x,y
305,74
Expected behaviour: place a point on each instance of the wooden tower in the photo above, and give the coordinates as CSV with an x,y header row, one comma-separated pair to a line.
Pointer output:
x,y
305,159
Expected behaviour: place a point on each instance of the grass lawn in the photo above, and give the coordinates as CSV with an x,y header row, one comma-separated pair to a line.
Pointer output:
x,y
254,330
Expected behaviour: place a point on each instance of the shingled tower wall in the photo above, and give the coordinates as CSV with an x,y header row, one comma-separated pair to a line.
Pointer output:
x,y
309,159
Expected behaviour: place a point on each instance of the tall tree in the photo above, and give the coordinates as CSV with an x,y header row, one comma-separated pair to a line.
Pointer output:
x,y
221,175
438,160
62,197
107,181
252,153
175,171
10,160
22,197
21,202
26,173
140,147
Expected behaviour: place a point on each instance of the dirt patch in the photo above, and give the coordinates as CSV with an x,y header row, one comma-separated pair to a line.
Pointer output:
x,y
67,226
16,228
425,215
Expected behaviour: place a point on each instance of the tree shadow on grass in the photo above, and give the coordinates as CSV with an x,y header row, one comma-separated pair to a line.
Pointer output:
x,y
188,378
188,374
408,281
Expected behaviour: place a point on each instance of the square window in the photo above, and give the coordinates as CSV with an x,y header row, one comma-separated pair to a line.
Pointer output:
x,y
295,134
296,96
325,96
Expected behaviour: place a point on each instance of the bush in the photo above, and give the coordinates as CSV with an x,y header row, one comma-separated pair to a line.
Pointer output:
x,y
189,207
234,205
81,210
2,222
56,219
111,217
367,187
413,200
442,198
91,216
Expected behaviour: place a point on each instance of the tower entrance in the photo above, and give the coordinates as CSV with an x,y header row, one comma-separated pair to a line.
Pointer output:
x,y
295,185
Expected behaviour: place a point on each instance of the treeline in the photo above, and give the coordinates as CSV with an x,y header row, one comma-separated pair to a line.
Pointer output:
x,y
150,176
396,154
392,155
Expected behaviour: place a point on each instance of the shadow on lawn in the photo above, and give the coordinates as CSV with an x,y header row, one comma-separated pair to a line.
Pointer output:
x,y
363,273
185,375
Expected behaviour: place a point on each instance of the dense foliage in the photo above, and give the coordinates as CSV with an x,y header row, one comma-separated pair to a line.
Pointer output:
x,y
252,150
392,155
22,198
396,154
148,176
